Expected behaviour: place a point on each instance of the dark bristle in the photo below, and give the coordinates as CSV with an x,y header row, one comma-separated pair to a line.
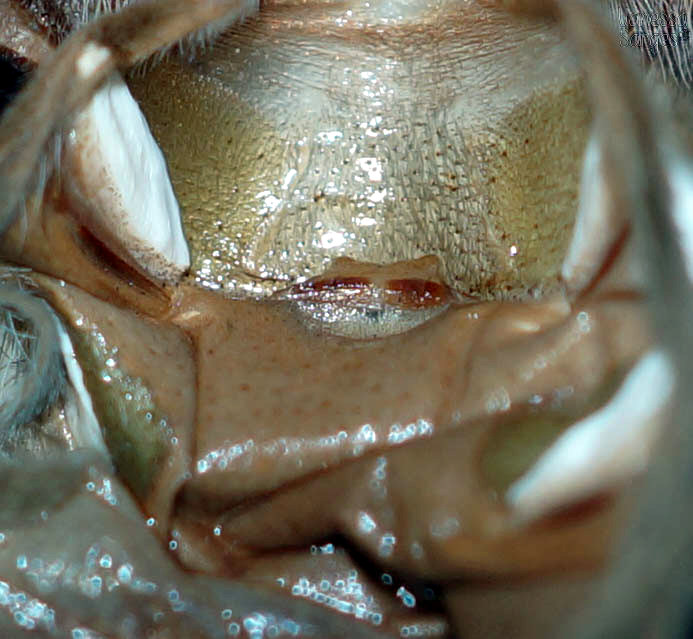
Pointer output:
x,y
661,31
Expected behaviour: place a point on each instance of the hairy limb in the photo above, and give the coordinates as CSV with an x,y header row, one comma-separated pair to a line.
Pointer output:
x,y
648,593
32,373
649,589
65,83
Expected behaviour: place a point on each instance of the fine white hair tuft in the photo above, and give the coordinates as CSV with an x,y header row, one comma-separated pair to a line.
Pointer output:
x,y
32,374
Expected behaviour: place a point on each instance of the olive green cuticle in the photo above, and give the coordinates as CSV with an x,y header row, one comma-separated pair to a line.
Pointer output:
x,y
519,440
134,429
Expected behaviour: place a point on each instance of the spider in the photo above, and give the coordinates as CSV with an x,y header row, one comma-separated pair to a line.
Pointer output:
x,y
374,333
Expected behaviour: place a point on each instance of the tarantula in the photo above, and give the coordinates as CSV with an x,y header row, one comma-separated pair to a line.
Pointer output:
x,y
381,329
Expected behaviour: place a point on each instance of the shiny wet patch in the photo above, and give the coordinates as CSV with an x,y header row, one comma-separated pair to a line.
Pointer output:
x,y
133,427
516,444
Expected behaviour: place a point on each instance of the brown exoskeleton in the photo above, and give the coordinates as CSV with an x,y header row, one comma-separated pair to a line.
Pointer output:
x,y
402,366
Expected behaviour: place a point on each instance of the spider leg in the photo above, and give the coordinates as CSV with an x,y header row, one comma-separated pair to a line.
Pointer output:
x,y
66,81
648,592
31,370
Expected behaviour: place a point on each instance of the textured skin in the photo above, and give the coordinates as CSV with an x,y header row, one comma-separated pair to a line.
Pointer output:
x,y
262,378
